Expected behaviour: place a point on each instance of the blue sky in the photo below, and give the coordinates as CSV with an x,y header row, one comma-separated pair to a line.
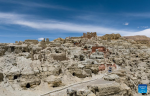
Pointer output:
x,y
36,19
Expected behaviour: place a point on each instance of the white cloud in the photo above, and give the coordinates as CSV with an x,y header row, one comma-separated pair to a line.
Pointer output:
x,y
126,23
145,32
144,26
40,38
33,4
24,20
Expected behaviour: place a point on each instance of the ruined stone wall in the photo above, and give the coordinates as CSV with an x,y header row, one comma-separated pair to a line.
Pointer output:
x,y
59,57
97,47
89,35
75,38
110,37
31,41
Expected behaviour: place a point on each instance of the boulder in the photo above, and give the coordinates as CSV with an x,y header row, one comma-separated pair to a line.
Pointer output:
x,y
81,73
118,61
83,92
111,77
88,72
112,89
91,94
71,92
120,73
79,92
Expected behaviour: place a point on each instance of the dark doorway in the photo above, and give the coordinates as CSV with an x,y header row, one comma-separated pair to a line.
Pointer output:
x,y
28,85
15,77
60,71
1,77
113,60
73,74
23,51
12,49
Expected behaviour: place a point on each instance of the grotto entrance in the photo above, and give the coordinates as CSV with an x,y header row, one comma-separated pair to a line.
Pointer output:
x,y
28,85
15,77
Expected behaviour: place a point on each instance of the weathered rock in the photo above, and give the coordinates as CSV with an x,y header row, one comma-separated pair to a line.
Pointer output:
x,y
91,94
53,81
114,89
75,59
30,84
71,92
47,40
83,92
111,77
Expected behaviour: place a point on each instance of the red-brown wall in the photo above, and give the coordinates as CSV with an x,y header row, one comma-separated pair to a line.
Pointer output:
x,y
101,48
102,67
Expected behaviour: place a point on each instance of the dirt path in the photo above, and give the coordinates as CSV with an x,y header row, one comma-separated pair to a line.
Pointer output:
x,y
82,85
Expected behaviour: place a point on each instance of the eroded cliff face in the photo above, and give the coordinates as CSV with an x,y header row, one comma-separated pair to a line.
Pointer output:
x,y
30,64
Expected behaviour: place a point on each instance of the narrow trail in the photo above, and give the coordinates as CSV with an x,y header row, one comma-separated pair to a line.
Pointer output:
x,y
80,85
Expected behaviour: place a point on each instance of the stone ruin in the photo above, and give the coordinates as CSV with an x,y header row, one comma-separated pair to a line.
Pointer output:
x,y
111,37
89,35
31,41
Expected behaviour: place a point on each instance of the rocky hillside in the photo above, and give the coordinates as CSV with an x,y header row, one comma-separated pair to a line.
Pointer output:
x,y
139,39
33,68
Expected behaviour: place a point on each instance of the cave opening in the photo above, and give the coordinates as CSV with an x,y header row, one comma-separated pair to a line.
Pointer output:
x,y
85,47
55,85
57,51
12,49
73,74
113,60
81,58
15,77
23,51
60,71
28,85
